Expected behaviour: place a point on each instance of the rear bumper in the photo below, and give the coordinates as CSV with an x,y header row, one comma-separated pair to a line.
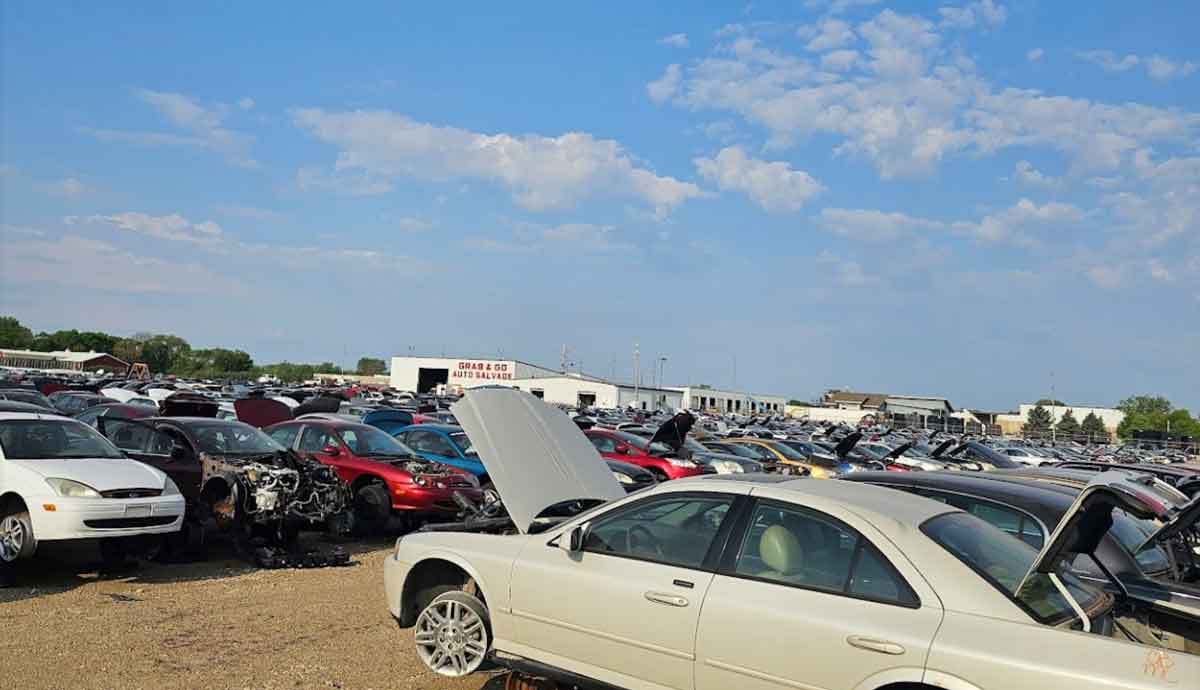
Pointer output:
x,y
93,518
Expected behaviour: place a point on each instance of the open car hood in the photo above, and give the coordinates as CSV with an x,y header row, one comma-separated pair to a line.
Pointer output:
x,y
899,450
261,412
388,420
847,444
534,454
1090,517
321,404
942,448
187,405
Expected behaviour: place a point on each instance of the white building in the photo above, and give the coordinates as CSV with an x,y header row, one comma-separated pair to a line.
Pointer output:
x,y
701,399
425,374
577,390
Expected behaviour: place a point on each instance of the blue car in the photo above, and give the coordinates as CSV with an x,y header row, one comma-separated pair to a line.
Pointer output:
x,y
446,444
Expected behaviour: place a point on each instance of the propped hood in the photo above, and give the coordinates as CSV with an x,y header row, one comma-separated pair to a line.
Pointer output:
x,y
261,412
323,404
389,421
1090,517
188,405
899,450
942,448
534,454
847,444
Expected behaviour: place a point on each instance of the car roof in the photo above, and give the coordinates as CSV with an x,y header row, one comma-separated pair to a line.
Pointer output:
x,y
444,428
33,415
1017,490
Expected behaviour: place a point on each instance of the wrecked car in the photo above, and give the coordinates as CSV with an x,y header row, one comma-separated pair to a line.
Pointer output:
x,y
708,583
235,478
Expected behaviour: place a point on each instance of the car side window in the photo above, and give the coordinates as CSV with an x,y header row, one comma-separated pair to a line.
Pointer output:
x,y
806,549
314,440
429,442
286,436
89,415
603,444
1011,521
673,530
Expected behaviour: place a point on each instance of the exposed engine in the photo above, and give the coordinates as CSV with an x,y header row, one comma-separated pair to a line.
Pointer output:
x,y
267,489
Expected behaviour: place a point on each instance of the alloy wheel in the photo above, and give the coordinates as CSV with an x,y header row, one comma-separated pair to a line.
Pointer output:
x,y
451,638
12,538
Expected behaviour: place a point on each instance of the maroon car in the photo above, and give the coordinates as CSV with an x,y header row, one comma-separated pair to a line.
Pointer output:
x,y
626,447
385,476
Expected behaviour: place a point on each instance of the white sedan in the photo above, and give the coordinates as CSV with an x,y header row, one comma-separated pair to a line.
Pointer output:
x,y
60,480
763,584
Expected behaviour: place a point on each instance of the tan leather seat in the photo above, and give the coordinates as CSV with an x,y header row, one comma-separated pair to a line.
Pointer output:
x,y
781,552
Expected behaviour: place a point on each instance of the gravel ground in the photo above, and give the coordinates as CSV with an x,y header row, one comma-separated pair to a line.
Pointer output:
x,y
217,625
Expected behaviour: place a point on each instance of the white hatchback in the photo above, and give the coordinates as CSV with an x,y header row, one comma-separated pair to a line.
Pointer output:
x,y
61,480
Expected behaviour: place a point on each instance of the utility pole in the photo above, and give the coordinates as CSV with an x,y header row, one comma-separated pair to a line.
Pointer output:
x,y
637,377
1053,424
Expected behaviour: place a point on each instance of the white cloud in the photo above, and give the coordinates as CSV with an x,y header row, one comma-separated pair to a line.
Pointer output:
x,y
1157,66
775,186
911,102
839,60
982,13
71,261
414,224
1028,175
66,188
252,212
869,224
173,227
1014,224
827,35
246,104
1108,60
1158,271
675,40
342,182
1035,54
1108,277
846,272
542,172
1162,68
664,88
204,126
531,238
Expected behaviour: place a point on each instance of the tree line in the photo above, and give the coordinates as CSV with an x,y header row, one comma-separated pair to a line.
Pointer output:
x,y
170,354
1142,413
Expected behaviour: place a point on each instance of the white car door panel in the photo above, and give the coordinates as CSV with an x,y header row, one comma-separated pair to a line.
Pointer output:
x,y
807,601
1038,656
625,609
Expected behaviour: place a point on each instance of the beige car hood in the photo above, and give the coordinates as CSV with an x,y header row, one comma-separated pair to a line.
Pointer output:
x,y
534,454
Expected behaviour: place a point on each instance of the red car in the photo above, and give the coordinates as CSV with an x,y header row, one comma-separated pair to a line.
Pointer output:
x,y
626,447
385,476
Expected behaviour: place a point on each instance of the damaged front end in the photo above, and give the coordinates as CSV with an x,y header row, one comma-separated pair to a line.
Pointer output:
x,y
266,499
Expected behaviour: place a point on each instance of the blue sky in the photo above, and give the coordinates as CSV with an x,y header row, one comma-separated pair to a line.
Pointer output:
x,y
963,198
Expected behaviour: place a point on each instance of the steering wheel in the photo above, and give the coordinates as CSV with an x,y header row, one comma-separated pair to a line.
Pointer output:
x,y
648,540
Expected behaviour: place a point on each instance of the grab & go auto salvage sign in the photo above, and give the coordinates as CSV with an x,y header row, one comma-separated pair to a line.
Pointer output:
x,y
481,370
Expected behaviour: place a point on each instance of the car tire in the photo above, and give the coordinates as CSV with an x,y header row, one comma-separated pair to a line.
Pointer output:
x,y
17,541
453,634
372,508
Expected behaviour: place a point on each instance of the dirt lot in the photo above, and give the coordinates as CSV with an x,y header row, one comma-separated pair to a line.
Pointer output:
x,y
217,625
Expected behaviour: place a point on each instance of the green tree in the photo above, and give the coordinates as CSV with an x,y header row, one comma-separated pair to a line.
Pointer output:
x,y
165,353
1051,403
1093,426
369,366
1039,421
1068,426
128,349
14,335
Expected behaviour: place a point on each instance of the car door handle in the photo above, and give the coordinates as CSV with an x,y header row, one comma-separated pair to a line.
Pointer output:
x,y
873,645
666,599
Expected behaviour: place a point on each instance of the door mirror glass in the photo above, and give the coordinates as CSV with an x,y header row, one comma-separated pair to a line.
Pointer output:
x,y
178,451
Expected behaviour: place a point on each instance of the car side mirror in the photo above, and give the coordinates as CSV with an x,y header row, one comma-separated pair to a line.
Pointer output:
x,y
178,451
331,450
623,449
571,541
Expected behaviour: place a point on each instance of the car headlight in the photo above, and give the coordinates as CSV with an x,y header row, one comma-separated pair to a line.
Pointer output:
x,y
169,488
71,488
623,478
679,462
420,481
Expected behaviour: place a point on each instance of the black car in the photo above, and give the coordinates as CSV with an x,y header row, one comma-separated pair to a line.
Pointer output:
x,y
631,477
976,452
27,395
1030,507
74,402
233,476
1186,478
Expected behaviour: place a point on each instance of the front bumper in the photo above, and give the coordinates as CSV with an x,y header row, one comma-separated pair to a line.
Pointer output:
x,y
431,499
395,572
57,518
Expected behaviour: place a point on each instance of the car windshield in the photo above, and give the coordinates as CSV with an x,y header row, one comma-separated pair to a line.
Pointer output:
x,y
735,449
232,438
643,444
1003,561
464,444
367,440
786,451
50,439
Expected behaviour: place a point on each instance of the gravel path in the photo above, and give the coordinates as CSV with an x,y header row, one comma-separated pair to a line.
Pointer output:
x,y
216,625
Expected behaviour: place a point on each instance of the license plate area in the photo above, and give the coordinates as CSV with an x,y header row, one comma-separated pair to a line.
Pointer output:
x,y
137,511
